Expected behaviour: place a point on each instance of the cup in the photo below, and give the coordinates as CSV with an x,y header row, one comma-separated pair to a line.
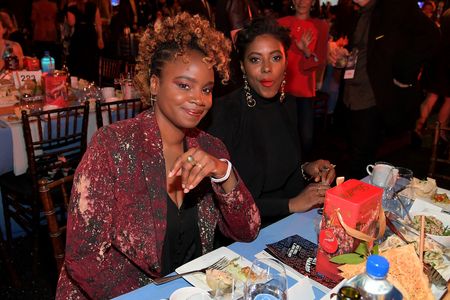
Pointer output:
x,y
382,174
269,282
108,92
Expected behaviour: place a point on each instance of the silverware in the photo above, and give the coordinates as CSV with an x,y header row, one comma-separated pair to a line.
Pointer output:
x,y
218,265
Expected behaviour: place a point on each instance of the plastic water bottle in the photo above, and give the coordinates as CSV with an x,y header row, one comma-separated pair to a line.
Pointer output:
x,y
373,284
47,63
11,60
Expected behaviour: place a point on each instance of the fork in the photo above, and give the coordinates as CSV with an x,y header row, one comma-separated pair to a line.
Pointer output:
x,y
218,265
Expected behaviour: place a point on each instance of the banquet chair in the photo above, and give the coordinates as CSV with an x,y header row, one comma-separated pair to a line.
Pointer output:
x,y
440,153
108,70
50,192
55,141
117,110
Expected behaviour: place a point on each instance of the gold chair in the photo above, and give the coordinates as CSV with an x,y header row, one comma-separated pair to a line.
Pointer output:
x,y
51,193
440,154
55,141
117,110
108,70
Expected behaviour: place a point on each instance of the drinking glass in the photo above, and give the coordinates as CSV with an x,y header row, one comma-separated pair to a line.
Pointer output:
x,y
267,281
233,292
403,191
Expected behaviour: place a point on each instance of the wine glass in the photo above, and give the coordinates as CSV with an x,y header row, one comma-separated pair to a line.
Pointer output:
x,y
404,193
267,280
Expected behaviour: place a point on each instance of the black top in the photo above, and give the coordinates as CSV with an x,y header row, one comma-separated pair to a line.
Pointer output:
x,y
182,241
264,148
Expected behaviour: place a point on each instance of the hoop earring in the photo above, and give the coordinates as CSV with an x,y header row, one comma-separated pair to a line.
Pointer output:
x,y
283,84
248,96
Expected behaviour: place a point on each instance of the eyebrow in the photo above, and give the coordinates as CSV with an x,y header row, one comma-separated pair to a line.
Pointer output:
x,y
191,79
259,53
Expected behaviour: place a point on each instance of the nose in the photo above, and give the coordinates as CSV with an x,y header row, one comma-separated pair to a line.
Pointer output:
x,y
266,68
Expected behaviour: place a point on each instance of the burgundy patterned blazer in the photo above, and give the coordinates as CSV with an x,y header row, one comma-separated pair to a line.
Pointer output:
x,y
117,216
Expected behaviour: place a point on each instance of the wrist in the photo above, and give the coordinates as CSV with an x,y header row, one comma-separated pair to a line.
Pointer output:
x,y
226,175
303,169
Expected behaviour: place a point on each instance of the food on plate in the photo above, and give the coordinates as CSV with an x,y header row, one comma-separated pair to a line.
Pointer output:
x,y
222,278
441,198
424,188
403,263
432,225
217,279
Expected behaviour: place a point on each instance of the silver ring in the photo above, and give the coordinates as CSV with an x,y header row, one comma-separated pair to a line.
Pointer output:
x,y
191,160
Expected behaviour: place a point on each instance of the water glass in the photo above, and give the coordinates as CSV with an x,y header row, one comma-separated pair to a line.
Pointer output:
x,y
268,281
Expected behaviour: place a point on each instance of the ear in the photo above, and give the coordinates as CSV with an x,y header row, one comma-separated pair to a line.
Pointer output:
x,y
154,85
242,68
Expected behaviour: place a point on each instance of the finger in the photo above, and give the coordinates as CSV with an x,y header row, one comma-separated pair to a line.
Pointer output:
x,y
179,161
201,172
188,167
197,172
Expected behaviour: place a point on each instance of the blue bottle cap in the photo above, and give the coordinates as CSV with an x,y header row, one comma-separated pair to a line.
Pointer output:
x,y
377,266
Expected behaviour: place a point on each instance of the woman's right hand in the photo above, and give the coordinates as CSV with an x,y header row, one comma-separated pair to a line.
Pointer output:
x,y
312,196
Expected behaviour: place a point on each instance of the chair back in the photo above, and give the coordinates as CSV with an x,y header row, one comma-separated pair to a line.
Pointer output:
x,y
109,69
117,110
55,140
52,195
440,154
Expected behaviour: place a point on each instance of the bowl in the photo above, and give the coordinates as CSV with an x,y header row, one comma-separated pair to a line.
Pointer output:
x,y
444,218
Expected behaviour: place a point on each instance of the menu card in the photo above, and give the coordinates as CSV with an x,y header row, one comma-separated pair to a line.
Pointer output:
x,y
300,254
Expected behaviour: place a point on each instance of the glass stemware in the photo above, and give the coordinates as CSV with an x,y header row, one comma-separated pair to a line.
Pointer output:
x,y
267,281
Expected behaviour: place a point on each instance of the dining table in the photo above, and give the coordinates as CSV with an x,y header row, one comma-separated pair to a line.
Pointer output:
x,y
297,223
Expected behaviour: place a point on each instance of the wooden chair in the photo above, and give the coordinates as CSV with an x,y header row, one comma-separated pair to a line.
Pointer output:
x,y
51,194
53,149
440,154
108,70
117,110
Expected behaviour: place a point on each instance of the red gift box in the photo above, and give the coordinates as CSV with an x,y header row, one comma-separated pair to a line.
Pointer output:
x,y
55,89
352,212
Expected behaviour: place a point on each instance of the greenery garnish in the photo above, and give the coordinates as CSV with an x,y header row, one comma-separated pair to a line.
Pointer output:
x,y
358,256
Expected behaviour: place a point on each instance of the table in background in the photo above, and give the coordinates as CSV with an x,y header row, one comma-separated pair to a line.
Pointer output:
x,y
298,223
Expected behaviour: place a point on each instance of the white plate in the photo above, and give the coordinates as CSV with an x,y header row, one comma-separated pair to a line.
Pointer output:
x,y
186,292
434,203
444,218
199,279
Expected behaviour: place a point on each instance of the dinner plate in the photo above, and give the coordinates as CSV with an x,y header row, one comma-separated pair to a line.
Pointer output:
x,y
186,292
199,279
445,206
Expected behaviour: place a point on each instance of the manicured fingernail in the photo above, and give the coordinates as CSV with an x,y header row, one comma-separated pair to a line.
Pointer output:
x,y
186,191
191,187
183,185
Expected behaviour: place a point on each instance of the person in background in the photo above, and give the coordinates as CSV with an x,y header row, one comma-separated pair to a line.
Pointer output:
x,y
150,191
306,56
258,124
12,31
86,41
389,40
7,45
436,81
44,22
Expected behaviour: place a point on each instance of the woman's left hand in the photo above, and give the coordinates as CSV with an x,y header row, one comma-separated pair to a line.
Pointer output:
x,y
321,170
194,165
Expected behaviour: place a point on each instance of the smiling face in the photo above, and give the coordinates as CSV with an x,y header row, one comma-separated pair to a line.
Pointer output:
x,y
302,7
264,65
183,91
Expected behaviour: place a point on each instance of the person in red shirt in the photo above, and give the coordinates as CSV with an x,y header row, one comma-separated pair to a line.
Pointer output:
x,y
150,191
306,55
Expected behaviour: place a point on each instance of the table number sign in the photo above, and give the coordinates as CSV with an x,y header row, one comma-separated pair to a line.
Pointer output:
x,y
21,76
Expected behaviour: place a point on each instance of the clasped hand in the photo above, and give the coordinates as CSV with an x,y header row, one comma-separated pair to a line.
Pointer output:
x,y
194,165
